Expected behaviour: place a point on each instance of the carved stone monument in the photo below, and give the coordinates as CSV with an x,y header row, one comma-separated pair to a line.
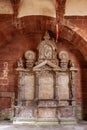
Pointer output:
x,y
46,86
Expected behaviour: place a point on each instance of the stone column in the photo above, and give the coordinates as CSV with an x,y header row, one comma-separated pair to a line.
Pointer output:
x,y
73,73
56,86
36,85
20,88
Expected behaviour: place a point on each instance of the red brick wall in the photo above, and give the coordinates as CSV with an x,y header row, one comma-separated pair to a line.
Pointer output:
x,y
5,103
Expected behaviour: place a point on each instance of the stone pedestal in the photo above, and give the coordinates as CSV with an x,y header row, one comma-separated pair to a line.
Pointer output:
x,y
66,114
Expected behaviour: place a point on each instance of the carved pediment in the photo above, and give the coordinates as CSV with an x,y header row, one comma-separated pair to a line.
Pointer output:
x,y
46,64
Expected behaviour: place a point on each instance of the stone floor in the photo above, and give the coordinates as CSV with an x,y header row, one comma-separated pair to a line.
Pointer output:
x,y
10,126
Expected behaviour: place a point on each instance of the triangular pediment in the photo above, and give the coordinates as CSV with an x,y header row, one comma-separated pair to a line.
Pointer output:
x,y
44,63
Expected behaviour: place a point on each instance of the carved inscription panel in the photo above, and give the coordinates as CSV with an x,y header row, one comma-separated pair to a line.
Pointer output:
x,y
63,86
29,87
46,86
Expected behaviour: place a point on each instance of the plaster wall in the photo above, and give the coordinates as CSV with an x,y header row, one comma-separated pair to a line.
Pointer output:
x,y
76,7
5,7
37,7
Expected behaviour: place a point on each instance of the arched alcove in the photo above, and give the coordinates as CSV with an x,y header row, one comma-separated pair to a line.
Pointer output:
x,y
76,45
73,41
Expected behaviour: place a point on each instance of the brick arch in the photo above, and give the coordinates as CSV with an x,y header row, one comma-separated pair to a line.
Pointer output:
x,y
75,36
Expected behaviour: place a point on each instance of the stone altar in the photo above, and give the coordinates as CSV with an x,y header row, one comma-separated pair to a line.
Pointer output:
x,y
46,86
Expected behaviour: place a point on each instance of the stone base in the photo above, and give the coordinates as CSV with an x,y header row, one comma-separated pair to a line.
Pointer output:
x,y
68,121
41,116
42,121
66,115
39,121
21,120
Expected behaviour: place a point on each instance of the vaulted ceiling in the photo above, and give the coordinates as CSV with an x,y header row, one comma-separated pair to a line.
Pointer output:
x,y
12,26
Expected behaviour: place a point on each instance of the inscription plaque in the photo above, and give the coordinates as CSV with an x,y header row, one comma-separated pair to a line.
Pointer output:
x,y
46,90
63,86
29,87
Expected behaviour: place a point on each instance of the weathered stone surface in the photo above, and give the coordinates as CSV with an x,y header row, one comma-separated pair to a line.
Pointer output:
x,y
46,86
46,113
63,86
46,89
29,87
